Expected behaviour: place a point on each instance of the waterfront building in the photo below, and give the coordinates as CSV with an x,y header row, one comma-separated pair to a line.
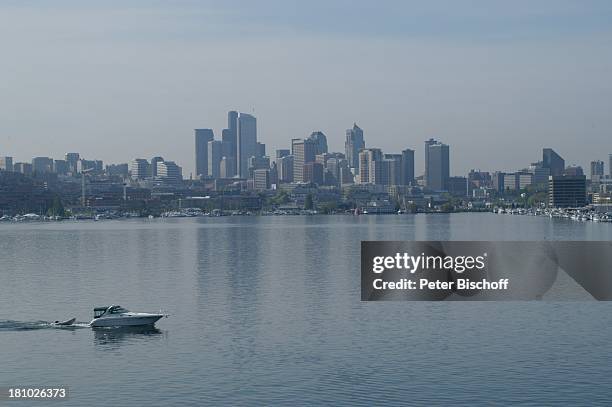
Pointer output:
x,y
553,161
202,137
320,142
566,191
353,144
261,178
437,165
6,163
458,186
139,168
169,171
42,164
247,142
303,153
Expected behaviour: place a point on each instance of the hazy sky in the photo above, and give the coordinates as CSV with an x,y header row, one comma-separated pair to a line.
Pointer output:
x,y
496,80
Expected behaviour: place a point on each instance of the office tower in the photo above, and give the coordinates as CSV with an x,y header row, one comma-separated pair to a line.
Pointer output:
x,y
458,186
346,175
282,153
23,168
42,164
72,159
90,166
313,172
353,144
119,170
247,142
215,151
285,169
573,171
320,142
597,169
227,168
509,182
566,191
407,170
61,167
273,173
428,143
169,171
6,163
438,166
260,150
553,161
540,173
370,166
153,166
139,168
230,137
610,165
524,179
391,170
202,137
303,153
261,178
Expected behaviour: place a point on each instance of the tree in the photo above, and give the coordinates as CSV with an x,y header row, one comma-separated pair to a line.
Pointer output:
x,y
57,208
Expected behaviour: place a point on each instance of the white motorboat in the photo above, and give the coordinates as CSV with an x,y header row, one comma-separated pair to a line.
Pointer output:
x,y
116,315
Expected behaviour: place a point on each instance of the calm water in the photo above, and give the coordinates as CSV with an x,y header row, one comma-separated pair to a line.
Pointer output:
x,y
266,310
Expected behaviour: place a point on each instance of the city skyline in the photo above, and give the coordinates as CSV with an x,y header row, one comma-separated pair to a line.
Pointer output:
x,y
492,79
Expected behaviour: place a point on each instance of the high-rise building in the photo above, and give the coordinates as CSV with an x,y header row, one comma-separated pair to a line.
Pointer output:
x,y
597,169
370,166
407,174
6,163
392,169
320,142
458,186
153,166
23,168
303,153
61,167
247,142
261,178
230,138
72,159
120,170
313,172
260,149
283,152
553,161
42,164
573,170
202,137
169,171
428,143
567,191
227,167
215,151
139,168
610,165
437,166
353,144
285,169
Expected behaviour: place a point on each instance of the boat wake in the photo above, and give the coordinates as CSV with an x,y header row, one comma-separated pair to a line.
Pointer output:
x,y
10,325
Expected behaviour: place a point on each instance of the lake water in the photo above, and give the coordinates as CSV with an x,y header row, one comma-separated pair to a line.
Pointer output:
x,y
267,310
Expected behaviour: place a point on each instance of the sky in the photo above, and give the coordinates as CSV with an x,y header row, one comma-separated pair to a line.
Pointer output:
x,y
496,80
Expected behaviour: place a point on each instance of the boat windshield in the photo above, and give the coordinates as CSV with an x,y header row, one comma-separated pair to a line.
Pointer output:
x,y
117,310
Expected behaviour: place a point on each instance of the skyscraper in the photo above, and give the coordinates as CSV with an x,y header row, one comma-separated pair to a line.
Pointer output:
x,y
230,138
215,151
285,168
6,163
153,166
202,137
553,161
353,144
72,159
407,171
42,164
370,166
438,166
597,169
139,168
303,153
247,142
428,143
320,141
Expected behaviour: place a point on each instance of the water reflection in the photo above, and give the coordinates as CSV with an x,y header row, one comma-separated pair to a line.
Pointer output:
x,y
115,337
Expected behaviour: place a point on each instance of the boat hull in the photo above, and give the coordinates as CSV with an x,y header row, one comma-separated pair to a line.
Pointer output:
x,y
140,320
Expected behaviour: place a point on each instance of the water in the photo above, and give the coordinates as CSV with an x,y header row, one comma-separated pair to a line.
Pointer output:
x,y
266,310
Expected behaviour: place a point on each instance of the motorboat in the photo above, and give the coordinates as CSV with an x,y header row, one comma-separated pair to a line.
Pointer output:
x,y
115,315
68,322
